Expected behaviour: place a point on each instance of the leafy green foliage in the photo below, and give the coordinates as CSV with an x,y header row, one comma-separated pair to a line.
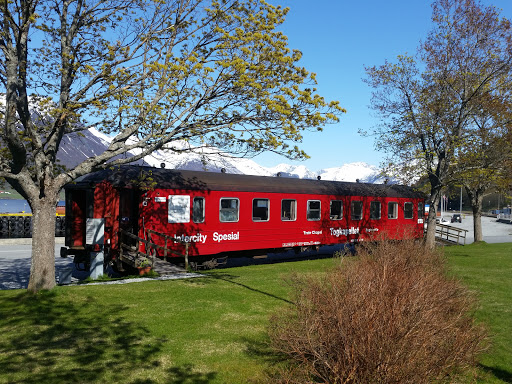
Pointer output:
x,y
150,73
212,73
433,106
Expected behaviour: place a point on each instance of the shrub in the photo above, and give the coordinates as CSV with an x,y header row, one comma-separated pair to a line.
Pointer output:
x,y
390,315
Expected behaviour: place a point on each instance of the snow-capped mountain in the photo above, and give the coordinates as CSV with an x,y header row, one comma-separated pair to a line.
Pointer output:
x,y
201,159
296,171
76,148
363,172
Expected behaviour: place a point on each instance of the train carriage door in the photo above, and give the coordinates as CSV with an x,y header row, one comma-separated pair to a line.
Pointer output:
x,y
129,210
79,207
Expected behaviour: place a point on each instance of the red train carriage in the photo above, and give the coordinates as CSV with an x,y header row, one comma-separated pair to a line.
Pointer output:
x,y
205,214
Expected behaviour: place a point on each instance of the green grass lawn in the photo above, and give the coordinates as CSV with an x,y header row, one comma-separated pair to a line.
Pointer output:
x,y
487,270
202,330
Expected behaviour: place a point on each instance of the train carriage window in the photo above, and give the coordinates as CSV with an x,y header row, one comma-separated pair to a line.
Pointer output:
x,y
421,211
260,209
392,210
336,212
356,210
375,208
198,210
179,209
408,210
228,210
288,210
313,210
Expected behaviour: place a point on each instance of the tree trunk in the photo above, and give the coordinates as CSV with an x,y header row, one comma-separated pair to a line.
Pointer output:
x,y
42,268
477,224
477,198
430,237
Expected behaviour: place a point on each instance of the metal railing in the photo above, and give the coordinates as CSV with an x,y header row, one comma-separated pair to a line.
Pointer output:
x,y
20,225
165,248
450,234
131,250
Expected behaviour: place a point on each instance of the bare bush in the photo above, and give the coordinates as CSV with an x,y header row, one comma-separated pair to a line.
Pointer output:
x,y
391,315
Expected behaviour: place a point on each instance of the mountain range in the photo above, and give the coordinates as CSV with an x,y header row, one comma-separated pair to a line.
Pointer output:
x,y
75,148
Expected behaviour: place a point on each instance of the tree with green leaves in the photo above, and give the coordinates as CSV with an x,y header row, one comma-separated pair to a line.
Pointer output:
x,y
149,72
484,159
427,103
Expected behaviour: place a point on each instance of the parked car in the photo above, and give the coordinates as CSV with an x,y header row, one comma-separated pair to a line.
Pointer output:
x,y
456,218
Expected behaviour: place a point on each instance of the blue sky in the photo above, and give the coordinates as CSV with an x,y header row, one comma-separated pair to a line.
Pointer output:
x,y
338,38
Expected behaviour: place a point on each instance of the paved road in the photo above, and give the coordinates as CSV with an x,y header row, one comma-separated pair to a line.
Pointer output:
x,y
15,263
15,258
493,231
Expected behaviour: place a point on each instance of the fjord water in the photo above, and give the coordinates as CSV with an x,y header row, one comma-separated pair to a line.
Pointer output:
x,y
14,206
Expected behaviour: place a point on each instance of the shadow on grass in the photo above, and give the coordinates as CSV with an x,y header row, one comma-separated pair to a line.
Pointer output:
x,y
262,350
182,375
231,279
48,338
501,374
186,375
275,363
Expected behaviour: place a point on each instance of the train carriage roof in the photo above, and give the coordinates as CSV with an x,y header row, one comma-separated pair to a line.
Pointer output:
x,y
129,176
